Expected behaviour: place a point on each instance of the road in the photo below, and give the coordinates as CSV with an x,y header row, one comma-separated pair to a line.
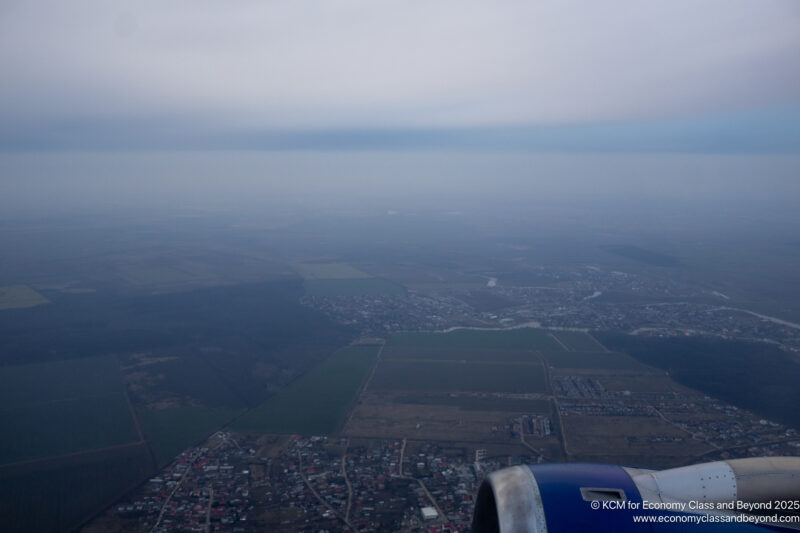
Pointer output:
x,y
347,482
172,493
208,511
320,498
442,516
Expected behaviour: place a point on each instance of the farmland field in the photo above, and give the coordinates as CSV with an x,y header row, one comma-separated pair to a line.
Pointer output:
x,y
42,382
579,342
478,403
642,440
56,495
604,360
158,275
318,401
474,339
64,426
62,407
458,377
459,354
207,270
351,287
20,296
435,422
329,271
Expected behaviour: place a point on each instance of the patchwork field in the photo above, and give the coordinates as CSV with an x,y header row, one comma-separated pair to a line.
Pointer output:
x,y
318,401
487,386
461,385
20,296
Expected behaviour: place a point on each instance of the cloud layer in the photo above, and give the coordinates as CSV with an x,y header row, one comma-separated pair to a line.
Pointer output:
x,y
311,65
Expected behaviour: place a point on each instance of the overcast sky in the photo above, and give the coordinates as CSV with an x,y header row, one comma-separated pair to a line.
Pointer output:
x,y
567,74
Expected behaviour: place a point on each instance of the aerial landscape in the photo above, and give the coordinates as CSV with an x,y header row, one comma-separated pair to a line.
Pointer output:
x,y
337,293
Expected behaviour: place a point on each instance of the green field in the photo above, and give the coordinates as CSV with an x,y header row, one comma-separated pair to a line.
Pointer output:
x,y
459,354
329,271
64,426
318,401
20,296
394,375
57,495
158,275
603,360
56,380
62,407
474,339
203,271
352,287
579,341
170,431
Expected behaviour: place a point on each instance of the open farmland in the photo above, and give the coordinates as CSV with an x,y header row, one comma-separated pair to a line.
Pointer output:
x,y
58,494
351,287
318,401
62,407
407,353
578,341
171,271
69,443
637,440
477,339
20,296
478,402
64,426
458,377
329,271
594,360
432,422
464,384
341,279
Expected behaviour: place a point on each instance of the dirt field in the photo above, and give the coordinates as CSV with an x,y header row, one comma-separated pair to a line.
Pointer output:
x,y
431,422
623,436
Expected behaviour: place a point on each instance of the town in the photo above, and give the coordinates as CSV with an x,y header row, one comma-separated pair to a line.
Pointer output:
x,y
587,298
238,482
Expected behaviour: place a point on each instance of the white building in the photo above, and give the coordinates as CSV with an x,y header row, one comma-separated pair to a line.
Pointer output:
x,y
429,513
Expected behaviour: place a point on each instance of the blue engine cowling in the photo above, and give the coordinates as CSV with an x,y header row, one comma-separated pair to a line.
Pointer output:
x,y
556,498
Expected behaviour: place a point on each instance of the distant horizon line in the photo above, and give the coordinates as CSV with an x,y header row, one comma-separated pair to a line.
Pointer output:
x,y
771,131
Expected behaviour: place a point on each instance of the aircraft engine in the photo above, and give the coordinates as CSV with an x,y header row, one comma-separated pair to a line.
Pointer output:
x,y
555,498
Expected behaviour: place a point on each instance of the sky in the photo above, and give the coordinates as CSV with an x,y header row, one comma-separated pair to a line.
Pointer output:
x,y
567,75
